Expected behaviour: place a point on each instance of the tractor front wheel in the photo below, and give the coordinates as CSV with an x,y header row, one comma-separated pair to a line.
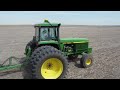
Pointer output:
x,y
86,60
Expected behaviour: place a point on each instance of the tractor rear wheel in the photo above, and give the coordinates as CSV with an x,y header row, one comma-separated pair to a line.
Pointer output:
x,y
27,73
86,60
30,44
49,63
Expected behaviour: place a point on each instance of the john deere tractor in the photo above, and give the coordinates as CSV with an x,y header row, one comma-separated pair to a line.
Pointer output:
x,y
49,54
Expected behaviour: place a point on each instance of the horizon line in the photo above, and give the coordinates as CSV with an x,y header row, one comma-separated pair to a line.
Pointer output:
x,y
61,25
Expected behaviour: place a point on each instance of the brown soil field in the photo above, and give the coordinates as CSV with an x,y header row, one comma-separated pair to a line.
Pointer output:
x,y
105,41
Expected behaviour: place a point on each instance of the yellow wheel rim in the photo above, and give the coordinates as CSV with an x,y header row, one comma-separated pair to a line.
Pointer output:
x,y
52,68
88,61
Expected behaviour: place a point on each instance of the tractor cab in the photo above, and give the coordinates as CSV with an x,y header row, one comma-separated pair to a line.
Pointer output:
x,y
47,31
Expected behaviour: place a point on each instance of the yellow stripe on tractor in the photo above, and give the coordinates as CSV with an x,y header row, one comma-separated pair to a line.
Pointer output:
x,y
73,42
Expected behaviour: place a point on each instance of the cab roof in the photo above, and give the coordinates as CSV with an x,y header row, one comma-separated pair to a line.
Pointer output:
x,y
47,23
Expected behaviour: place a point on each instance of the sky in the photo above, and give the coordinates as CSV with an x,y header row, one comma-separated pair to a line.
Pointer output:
x,y
63,17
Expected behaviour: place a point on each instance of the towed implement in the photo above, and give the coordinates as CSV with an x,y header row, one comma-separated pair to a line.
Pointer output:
x,y
48,55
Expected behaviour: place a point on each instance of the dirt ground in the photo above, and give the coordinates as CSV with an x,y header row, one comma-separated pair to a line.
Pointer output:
x,y
105,41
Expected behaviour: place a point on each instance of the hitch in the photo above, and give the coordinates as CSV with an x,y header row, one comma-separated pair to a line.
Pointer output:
x,y
10,66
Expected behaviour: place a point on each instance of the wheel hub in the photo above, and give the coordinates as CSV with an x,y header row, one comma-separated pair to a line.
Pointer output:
x,y
88,61
52,68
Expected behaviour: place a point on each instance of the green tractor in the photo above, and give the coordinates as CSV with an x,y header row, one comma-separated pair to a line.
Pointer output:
x,y
49,54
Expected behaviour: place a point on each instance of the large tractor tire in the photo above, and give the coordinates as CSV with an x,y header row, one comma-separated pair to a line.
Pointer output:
x,y
48,63
30,44
27,73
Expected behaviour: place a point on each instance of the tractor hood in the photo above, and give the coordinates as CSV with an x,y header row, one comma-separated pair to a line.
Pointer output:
x,y
73,40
